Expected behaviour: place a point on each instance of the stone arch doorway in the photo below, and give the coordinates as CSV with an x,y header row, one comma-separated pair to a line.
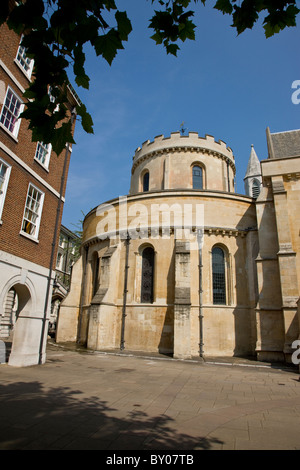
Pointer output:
x,y
16,299
8,316
14,325
54,314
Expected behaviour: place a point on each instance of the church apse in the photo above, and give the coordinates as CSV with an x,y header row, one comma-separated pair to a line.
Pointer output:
x,y
159,289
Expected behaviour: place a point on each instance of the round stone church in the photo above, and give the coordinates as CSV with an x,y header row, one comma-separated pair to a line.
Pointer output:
x,y
171,267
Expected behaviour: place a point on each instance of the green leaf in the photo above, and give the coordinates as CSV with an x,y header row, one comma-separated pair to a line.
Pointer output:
x,y
4,11
107,45
224,6
187,30
83,80
86,119
79,59
27,15
157,37
270,30
62,135
124,25
276,21
244,16
172,49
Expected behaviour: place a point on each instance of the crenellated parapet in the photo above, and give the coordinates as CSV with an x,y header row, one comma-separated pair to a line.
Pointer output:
x,y
183,143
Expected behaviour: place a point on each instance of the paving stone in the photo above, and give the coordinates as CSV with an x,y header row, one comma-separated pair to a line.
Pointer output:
x,y
98,401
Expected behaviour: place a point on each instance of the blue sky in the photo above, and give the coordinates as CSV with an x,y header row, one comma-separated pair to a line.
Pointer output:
x,y
221,84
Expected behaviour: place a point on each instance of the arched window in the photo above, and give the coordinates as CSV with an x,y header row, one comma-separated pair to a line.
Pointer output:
x,y
147,275
146,182
197,177
218,276
255,189
95,268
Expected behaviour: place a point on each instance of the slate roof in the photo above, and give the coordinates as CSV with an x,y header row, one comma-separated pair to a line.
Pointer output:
x,y
283,144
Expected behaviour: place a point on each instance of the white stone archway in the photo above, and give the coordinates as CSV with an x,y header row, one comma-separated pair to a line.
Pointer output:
x,y
21,315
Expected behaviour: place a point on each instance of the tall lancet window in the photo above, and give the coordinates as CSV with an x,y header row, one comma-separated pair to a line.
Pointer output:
x,y
146,182
197,177
218,276
147,275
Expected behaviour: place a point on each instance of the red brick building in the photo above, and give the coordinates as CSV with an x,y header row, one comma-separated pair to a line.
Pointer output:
x,y
32,188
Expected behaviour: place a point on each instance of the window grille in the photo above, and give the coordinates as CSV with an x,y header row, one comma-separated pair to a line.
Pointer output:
x,y
218,273
197,177
147,275
255,189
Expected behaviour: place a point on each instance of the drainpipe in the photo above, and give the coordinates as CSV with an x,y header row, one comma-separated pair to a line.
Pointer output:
x,y
200,243
127,241
54,242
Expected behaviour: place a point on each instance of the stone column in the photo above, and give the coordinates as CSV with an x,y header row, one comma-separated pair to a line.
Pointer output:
x,y
269,318
101,332
182,304
287,266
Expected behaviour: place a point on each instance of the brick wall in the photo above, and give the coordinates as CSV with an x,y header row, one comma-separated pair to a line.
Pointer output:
x,y
11,240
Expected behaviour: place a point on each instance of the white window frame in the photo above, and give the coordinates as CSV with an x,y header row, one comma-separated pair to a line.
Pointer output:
x,y
59,261
3,183
62,241
44,150
6,109
22,61
30,208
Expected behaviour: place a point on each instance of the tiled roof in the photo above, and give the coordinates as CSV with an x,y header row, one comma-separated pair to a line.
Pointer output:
x,y
283,144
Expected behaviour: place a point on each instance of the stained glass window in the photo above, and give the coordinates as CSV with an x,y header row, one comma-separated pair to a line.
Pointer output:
x,y
146,182
147,275
218,276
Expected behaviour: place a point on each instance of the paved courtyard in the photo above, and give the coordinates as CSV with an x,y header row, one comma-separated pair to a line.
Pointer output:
x,y
86,401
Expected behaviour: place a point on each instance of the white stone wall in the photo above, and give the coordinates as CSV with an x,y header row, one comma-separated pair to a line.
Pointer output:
x,y
30,282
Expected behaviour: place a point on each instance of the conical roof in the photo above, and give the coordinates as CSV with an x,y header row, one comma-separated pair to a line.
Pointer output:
x,y
253,168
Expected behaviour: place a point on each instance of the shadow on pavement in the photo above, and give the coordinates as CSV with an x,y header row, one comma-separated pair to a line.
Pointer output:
x,y
34,418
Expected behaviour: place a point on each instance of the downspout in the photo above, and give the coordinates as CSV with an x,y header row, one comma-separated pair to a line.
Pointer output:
x,y
54,242
127,241
86,248
200,243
